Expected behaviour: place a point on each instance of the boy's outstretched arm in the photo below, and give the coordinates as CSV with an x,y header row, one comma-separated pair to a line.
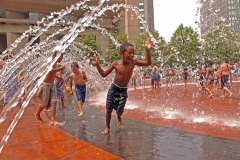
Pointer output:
x,y
100,70
148,45
148,61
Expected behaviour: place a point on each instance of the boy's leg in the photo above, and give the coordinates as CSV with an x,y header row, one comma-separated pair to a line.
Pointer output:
x,y
108,119
63,104
38,114
119,119
80,111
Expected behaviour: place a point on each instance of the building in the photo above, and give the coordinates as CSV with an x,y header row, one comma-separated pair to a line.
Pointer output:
x,y
147,13
213,11
17,15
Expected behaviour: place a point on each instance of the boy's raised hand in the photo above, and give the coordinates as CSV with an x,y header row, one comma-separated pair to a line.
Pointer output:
x,y
148,43
94,59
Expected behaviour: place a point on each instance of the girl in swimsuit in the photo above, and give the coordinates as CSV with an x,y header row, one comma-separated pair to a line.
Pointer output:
x,y
209,78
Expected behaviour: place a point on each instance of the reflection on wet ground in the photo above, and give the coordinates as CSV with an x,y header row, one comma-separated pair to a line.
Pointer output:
x,y
139,140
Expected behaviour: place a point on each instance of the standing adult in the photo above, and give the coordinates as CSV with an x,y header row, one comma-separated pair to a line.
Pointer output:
x,y
225,73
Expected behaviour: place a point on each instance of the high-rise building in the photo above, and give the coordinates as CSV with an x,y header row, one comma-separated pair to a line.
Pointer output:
x,y
16,16
224,10
147,13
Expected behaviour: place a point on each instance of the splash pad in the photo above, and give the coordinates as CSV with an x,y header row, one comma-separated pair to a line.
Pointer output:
x,y
166,112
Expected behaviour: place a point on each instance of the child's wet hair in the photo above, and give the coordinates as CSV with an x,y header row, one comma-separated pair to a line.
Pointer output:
x,y
124,46
210,63
74,64
225,59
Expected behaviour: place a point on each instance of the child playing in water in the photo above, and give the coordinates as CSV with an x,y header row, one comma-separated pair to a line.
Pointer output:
x,y
59,82
216,79
117,94
79,77
47,93
185,76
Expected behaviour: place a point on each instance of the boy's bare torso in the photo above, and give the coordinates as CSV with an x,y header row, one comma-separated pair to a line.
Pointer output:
x,y
123,72
50,76
79,77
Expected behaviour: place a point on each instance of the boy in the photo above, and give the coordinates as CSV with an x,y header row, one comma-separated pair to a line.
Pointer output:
x,y
47,93
79,77
117,94
185,76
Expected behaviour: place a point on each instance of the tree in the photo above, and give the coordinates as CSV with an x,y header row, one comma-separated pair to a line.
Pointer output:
x,y
113,52
157,47
221,42
87,44
185,47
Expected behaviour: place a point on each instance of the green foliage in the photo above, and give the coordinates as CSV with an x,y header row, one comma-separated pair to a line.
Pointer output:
x,y
221,42
184,48
113,52
140,51
88,40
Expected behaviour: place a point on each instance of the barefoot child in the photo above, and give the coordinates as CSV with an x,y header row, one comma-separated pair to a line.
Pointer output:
x,y
47,93
185,76
79,77
209,78
117,94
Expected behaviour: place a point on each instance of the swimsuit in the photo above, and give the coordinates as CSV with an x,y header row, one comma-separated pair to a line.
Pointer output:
x,y
80,92
156,77
58,85
48,95
211,79
224,81
116,98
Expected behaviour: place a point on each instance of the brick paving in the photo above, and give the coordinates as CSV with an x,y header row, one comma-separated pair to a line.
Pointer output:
x,y
164,124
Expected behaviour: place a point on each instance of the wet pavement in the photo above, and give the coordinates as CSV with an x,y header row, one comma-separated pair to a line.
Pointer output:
x,y
165,124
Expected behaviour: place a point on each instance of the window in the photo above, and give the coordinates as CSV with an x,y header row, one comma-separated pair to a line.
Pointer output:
x,y
142,30
65,18
33,16
2,13
141,7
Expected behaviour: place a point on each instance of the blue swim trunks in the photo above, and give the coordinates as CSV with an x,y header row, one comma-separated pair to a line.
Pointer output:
x,y
116,98
156,77
211,79
80,92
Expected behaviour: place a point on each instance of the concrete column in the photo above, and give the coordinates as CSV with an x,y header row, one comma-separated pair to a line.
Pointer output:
x,y
11,37
132,25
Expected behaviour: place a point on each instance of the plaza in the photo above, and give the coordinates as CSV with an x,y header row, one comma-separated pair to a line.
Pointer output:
x,y
160,123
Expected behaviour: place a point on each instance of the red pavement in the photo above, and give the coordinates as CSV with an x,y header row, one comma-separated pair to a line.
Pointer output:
x,y
31,139
186,109
34,140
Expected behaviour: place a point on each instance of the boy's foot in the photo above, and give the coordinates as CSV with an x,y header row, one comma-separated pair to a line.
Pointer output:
x,y
64,107
80,113
56,123
119,121
39,118
46,110
231,95
222,96
210,96
105,131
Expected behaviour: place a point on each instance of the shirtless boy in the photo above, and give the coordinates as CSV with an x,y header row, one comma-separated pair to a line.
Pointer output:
x,y
47,93
79,78
117,94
